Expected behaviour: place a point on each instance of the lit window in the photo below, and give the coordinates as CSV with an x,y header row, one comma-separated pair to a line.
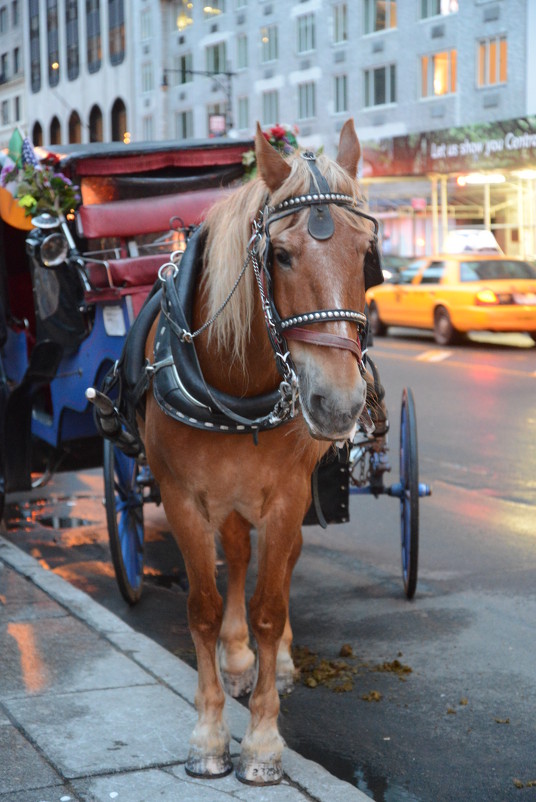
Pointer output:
x,y
433,8
438,74
492,61
380,15
269,43
340,23
306,33
380,86
214,9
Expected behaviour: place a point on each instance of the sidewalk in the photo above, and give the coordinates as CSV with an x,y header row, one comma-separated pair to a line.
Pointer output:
x,y
92,711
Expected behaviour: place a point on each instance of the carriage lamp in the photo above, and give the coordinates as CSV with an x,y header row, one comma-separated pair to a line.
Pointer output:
x,y
53,250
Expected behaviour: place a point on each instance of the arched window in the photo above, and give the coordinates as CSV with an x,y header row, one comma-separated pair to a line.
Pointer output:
x,y
95,125
73,41
75,127
116,32
37,134
55,131
94,45
35,55
53,43
119,121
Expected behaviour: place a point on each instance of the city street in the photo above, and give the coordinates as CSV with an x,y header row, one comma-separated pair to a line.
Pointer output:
x,y
416,701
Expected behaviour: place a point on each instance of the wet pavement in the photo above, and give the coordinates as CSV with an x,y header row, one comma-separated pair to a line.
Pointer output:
x,y
91,710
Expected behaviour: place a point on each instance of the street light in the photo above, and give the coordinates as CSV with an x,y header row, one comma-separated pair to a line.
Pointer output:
x,y
221,79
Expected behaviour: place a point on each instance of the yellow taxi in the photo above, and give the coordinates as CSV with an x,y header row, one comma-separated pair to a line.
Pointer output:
x,y
456,294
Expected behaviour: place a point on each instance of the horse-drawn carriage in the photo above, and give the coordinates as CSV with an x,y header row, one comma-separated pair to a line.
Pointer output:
x,y
226,366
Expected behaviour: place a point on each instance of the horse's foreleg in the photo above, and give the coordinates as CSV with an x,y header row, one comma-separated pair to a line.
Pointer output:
x,y
209,744
262,747
237,661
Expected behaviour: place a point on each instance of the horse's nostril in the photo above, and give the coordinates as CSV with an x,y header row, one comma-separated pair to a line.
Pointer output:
x,y
319,403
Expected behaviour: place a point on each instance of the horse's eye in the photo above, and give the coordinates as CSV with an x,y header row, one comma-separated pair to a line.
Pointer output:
x,y
282,257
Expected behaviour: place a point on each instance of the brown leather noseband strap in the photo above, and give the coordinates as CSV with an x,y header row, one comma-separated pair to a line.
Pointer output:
x,y
325,338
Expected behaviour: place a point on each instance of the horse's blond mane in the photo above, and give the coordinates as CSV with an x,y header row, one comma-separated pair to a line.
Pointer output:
x,y
228,227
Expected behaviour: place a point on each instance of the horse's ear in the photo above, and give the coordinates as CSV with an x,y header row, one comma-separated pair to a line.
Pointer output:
x,y
271,166
349,149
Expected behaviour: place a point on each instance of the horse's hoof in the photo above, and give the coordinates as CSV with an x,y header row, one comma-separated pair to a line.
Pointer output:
x,y
253,772
239,684
209,766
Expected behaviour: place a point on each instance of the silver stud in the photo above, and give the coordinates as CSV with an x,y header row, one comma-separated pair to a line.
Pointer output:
x,y
323,314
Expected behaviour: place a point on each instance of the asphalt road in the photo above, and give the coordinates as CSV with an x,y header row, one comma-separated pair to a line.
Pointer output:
x,y
432,699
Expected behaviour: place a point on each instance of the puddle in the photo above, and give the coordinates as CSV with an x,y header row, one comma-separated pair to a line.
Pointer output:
x,y
40,512
380,789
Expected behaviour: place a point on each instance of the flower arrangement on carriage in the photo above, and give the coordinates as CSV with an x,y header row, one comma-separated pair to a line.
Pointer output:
x,y
282,137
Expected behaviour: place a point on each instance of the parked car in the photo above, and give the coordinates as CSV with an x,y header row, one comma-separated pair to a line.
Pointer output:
x,y
458,293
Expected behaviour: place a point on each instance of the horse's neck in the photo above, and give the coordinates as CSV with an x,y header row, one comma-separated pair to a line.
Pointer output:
x,y
257,376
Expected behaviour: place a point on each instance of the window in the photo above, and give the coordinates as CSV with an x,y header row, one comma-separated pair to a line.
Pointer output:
x,y
16,60
147,82
340,23
5,112
145,24
433,273
3,68
15,13
16,103
214,9
73,44
147,127
3,19
35,56
184,125
216,57
94,52
116,31
380,15
269,44
380,86
182,70
243,112
438,74
270,107
432,8
492,61
341,93
306,33
53,43
241,3
306,101
241,51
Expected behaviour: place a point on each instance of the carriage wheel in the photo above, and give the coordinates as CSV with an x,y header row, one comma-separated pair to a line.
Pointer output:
x,y
409,498
124,516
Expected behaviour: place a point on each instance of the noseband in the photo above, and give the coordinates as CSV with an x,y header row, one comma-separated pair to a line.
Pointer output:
x,y
321,227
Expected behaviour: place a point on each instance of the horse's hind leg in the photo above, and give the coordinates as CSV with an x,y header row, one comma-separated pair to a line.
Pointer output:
x,y
285,669
237,661
209,743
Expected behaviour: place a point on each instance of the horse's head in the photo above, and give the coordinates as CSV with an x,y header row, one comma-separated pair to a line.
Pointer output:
x,y
320,248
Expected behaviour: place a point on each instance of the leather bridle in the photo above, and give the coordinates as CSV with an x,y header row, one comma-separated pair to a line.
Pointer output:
x,y
320,226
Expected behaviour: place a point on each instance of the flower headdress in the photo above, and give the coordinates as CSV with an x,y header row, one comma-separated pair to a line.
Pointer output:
x,y
282,137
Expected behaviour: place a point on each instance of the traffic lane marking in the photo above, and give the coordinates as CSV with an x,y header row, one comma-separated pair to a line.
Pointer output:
x,y
434,356
454,363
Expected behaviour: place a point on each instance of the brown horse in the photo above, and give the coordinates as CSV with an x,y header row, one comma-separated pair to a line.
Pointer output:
x,y
312,244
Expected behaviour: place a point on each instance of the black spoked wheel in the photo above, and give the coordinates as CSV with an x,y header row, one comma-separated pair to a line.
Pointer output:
x,y
124,515
409,498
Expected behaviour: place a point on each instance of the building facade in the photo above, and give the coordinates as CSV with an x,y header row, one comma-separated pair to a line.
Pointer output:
x,y
90,70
